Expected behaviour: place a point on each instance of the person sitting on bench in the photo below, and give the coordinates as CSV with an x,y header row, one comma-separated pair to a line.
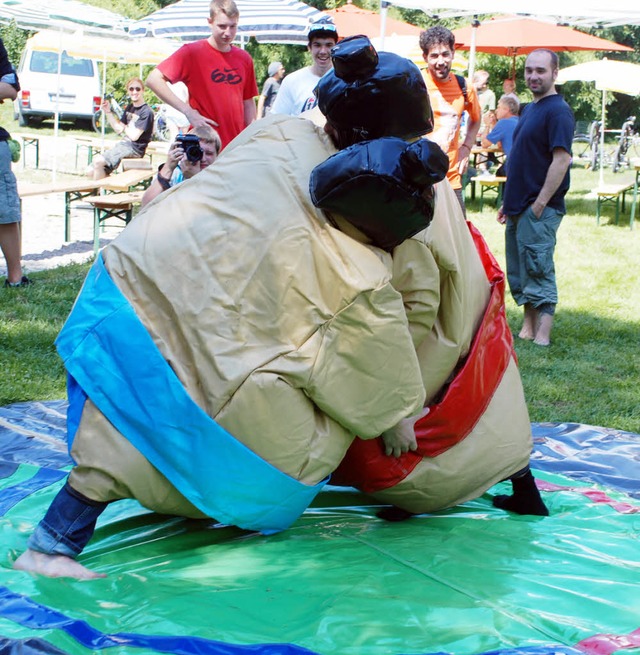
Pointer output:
x,y
136,126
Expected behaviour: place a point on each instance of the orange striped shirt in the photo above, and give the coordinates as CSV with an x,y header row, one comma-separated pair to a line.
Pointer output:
x,y
448,104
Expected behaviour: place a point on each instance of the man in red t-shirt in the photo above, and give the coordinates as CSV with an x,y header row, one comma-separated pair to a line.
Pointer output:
x,y
449,102
220,77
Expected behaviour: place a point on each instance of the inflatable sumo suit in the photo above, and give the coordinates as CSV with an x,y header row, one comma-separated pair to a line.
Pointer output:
x,y
477,431
232,342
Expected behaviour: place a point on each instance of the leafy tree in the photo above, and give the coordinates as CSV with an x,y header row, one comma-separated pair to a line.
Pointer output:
x,y
14,39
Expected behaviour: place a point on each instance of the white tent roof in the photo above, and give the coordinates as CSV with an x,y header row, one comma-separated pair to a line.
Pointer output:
x,y
269,21
589,13
61,14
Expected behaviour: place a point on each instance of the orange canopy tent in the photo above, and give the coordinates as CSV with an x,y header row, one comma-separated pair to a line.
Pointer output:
x,y
519,35
350,20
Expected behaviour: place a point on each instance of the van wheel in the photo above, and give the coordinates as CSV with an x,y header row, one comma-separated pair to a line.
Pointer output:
x,y
23,121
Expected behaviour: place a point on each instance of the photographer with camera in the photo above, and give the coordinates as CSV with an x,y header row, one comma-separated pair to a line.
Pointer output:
x,y
188,155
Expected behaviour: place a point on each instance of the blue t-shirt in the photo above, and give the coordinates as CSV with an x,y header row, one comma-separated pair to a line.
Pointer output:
x,y
543,126
503,133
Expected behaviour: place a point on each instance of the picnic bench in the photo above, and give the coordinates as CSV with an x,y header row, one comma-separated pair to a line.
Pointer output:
x,y
131,180
488,184
29,141
612,193
112,205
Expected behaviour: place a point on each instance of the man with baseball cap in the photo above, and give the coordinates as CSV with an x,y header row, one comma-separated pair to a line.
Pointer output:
x,y
296,91
270,88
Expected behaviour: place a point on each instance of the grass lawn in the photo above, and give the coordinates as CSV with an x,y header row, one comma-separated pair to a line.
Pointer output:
x,y
589,374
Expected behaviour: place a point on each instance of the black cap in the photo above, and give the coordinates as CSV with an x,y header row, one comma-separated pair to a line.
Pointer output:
x,y
375,93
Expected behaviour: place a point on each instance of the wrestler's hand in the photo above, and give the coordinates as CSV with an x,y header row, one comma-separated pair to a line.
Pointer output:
x,y
402,438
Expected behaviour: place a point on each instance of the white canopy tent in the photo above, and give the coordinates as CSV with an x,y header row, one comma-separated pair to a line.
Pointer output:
x,y
68,15
588,13
608,75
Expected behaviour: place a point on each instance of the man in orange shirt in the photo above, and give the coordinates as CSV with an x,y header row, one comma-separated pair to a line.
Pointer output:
x,y
450,97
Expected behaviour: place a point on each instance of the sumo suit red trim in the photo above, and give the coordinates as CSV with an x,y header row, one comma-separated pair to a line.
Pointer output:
x,y
465,399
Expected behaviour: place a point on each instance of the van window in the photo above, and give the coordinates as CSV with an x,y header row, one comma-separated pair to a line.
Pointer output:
x,y
47,62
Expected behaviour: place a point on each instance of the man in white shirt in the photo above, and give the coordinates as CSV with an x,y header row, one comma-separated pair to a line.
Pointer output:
x,y
296,91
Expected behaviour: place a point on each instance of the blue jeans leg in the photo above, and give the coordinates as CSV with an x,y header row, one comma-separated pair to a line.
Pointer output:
x,y
68,524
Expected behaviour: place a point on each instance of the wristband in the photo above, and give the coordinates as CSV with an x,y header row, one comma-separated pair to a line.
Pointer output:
x,y
164,183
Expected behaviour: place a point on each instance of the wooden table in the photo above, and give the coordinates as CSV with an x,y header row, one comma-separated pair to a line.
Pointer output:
x,y
72,191
132,180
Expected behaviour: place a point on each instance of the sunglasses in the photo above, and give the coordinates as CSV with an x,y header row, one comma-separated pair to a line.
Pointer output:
x,y
134,88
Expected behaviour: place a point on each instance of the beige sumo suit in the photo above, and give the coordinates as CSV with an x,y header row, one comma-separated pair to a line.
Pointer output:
x,y
284,330
477,431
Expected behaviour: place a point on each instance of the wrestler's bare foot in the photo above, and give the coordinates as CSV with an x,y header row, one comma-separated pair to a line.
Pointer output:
x,y
54,566
528,330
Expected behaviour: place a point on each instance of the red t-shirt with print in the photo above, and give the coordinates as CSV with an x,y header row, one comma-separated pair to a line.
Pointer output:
x,y
218,83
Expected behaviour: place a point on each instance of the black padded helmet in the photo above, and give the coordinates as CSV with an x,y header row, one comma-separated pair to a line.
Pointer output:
x,y
373,93
383,187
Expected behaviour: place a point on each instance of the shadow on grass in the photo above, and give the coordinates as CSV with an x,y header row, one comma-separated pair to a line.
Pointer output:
x,y
587,375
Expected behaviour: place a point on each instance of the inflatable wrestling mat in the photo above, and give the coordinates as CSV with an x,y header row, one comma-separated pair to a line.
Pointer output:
x,y
468,581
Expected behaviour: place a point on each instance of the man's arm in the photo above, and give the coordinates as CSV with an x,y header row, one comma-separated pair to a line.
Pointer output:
x,y
129,129
249,111
557,170
158,83
161,181
465,148
260,110
7,92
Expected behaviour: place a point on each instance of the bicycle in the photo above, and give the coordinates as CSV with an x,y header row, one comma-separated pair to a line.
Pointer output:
x,y
97,119
628,147
161,130
581,144
594,144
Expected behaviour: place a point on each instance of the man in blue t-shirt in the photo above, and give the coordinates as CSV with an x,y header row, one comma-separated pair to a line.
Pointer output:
x,y
502,132
533,205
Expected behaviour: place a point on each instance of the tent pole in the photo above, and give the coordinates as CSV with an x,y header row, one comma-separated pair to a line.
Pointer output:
x,y
472,48
384,7
604,117
56,114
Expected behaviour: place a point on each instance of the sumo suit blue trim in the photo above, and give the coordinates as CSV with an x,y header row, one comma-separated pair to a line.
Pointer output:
x,y
111,358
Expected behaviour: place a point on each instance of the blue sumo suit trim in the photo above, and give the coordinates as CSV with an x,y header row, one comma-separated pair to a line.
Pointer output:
x,y
111,358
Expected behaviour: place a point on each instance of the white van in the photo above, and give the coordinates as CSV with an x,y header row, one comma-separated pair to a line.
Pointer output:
x,y
78,85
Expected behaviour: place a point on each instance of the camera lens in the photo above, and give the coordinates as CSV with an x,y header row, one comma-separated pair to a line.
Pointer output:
x,y
194,153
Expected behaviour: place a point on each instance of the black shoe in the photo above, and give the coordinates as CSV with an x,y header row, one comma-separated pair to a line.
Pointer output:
x,y
24,282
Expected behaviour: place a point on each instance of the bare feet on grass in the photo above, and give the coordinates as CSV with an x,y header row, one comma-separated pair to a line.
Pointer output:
x,y
529,324
543,333
54,566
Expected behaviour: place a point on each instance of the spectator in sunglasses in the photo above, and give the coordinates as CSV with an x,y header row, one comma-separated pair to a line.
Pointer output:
x,y
136,126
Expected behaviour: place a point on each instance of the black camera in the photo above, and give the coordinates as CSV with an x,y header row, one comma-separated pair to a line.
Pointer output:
x,y
191,145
